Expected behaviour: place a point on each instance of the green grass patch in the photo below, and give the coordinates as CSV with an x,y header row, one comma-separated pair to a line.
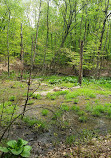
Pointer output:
x,y
68,85
25,94
45,112
89,107
98,109
6,112
57,115
36,96
30,121
61,93
54,95
55,81
72,95
96,113
64,107
12,98
70,139
83,119
8,103
38,125
30,102
50,96
76,101
81,92
70,79
75,108
81,113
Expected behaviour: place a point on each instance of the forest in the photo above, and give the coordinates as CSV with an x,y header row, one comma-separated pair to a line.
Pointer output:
x,y
55,78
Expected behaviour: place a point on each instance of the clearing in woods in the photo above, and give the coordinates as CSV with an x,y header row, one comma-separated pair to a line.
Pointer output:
x,y
64,120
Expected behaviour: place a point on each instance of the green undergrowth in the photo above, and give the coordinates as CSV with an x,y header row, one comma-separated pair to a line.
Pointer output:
x,y
7,112
45,112
29,94
75,108
5,76
64,107
73,81
12,98
81,92
37,125
98,109
12,90
57,115
86,93
82,137
36,96
54,95
7,107
81,103
30,102
64,81
82,115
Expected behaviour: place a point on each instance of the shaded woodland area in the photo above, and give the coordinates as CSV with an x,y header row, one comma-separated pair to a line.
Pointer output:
x,y
47,35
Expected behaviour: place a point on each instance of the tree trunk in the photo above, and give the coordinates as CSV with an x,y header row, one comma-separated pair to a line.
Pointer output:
x,y
81,62
47,38
21,53
8,45
29,82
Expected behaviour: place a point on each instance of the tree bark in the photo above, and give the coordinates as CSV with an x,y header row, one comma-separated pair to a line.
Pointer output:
x,y
21,53
47,38
81,63
8,45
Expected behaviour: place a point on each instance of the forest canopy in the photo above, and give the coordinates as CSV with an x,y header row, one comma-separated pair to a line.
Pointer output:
x,y
50,31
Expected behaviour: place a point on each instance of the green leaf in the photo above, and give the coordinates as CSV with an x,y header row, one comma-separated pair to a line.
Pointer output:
x,y
12,143
25,154
16,152
4,149
22,142
26,151
27,148
19,143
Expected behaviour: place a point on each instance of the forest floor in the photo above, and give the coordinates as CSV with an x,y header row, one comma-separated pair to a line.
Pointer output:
x,y
63,120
